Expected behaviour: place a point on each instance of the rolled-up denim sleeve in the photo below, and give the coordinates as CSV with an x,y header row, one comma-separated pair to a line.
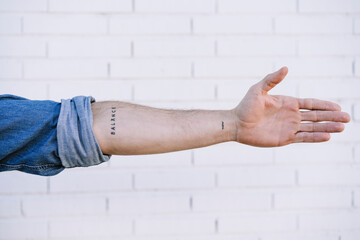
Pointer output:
x,y
77,144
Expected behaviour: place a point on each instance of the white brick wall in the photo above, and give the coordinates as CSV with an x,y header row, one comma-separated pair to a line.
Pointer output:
x,y
187,54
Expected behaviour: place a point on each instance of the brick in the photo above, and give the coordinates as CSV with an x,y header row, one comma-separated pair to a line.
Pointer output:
x,y
326,6
317,67
89,47
97,6
357,67
10,24
100,90
22,183
230,201
85,180
232,67
63,205
257,222
174,6
180,225
319,153
65,24
10,207
313,24
264,176
258,6
232,154
350,235
22,47
357,152
302,236
174,47
174,179
357,199
232,24
182,90
179,158
36,228
98,227
146,68
23,5
62,69
255,46
330,176
148,203
32,90
357,26
149,25
312,199
343,220
329,46
10,68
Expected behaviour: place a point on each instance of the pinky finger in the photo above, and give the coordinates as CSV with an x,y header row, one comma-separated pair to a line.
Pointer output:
x,y
311,137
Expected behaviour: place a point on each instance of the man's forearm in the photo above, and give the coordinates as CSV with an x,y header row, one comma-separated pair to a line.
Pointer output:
x,y
128,129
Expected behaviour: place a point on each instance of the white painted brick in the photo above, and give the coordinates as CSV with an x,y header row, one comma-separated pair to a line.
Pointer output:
x,y
89,47
19,182
231,201
357,26
10,24
236,89
32,90
174,179
196,237
302,236
317,66
23,229
175,6
356,112
332,6
329,46
63,205
100,90
350,235
179,158
314,153
86,180
257,223
174,90
149,25
258,6
98,6
344,220
232,67
180,225
62,69
24,47
232,24
256,46
10,68
312,199
313,24
23,5
329,175
265,176
65,24
174,47
357,67
10,207
149,203
357,152
146,68
90,227
232,153
357,198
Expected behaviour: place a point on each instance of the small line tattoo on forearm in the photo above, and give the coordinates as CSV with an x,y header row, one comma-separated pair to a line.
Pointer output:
x,y
113,120
223,125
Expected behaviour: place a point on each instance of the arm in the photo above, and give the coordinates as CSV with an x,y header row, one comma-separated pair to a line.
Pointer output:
x,y
260,120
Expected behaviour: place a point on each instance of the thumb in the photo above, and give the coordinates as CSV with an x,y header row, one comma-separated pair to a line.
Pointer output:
x,y
271,80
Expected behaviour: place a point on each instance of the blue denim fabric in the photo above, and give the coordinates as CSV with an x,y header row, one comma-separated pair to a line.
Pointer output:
x,y
45,137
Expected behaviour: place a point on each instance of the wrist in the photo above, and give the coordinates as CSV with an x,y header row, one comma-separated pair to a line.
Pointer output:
x,y
233,125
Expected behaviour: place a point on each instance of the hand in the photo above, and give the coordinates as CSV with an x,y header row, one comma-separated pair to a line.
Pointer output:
x,y
265,120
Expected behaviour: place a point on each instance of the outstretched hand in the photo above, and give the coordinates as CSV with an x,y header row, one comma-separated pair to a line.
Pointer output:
x,y
265,120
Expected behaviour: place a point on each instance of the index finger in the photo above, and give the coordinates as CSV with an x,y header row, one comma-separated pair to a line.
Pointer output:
x,y
316,104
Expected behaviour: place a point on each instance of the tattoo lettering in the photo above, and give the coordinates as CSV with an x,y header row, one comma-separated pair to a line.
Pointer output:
x,y
223,125
112,120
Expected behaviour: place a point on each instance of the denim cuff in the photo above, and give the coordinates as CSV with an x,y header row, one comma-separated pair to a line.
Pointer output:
x,y
77,144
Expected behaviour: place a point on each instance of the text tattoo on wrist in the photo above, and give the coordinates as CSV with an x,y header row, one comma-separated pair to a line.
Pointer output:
x,y
112,120
222,125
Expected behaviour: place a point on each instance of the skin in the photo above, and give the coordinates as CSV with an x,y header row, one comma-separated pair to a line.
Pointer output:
x,y
260,120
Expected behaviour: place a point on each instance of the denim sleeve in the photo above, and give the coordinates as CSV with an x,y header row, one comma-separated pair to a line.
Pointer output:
x,y
77,144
